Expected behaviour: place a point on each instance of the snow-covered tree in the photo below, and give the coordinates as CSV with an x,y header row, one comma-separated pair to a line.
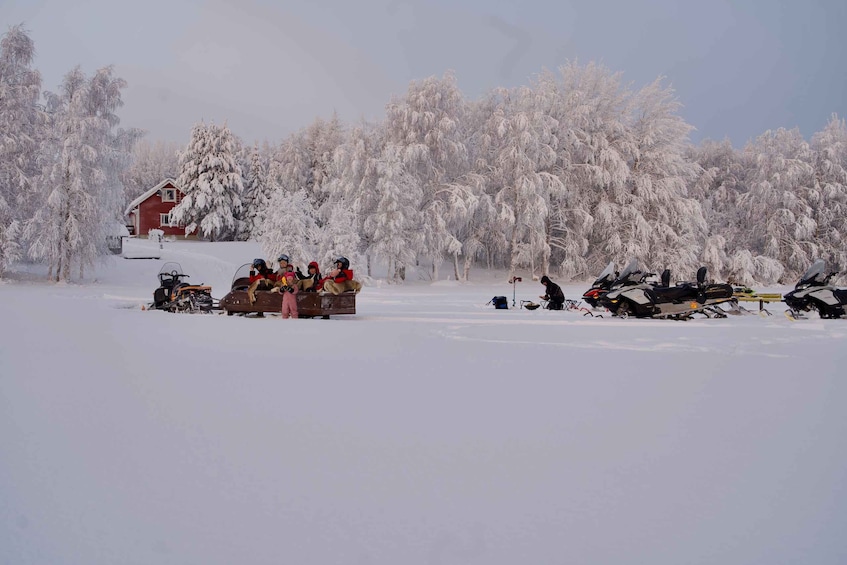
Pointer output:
x,y
779,221
661,225
22,125
427,125
718,187
357,170
828,200
150,164
210,179
393,227
82,158
289,227
257,193
521,149
591,107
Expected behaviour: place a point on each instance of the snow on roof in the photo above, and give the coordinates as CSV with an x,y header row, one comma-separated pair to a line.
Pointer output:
x,y
148,194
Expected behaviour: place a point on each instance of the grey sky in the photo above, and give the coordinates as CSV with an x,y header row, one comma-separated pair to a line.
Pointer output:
x,y
269,67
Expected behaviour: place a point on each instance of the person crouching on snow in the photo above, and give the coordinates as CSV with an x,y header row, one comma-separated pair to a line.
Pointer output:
x,y
554,296
289,289
340,279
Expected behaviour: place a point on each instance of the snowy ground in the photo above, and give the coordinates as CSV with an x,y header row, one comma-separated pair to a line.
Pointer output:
x,y
427,429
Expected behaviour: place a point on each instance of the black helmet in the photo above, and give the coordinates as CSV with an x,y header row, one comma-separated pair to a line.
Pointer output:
x,y
345,262
259,263
283,257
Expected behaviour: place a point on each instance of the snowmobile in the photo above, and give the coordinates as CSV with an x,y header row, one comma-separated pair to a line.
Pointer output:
x,y
175,295
633,295
814,292
309,304
600,286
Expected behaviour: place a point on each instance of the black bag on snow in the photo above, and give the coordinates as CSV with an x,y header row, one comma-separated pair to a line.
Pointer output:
x,y
500,302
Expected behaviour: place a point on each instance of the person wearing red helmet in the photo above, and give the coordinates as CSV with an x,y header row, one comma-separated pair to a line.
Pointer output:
x,y
309,281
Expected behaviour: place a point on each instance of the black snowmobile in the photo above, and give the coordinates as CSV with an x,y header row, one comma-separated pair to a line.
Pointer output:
x,y
633,295
175,295
814,292
600,286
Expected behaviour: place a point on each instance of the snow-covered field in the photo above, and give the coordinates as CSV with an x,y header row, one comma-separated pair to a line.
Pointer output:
x,y
427,429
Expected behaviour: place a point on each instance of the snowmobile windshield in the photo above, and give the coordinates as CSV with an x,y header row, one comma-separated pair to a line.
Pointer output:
x,y
815,273
170,268
243,272
607,274
631,271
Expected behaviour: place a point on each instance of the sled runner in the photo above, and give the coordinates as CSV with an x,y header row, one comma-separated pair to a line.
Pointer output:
x,y
309,304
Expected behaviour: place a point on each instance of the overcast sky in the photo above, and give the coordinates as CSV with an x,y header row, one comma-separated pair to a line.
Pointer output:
x,y
270,67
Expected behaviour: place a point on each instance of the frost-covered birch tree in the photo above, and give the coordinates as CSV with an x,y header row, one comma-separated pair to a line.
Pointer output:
x,y
357,166
22,126
150,164
663,227
590,105
210,179
393,227
82,158
521,148
427,125
717,189
828,200
289,227
780,228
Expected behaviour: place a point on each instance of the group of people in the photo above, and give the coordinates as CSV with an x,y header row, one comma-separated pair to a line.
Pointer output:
x,y
289,280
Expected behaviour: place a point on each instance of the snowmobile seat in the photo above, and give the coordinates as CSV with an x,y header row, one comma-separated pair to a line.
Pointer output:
x,y
678,293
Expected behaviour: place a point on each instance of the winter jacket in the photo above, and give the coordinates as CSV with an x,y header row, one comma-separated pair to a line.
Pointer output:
x,y
343,275
262,274
554,292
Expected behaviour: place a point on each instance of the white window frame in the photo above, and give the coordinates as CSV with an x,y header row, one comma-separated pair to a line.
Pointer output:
x,y
165,220
168,195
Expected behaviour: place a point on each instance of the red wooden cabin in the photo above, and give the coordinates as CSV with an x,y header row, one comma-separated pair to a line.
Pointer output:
x,y
152,210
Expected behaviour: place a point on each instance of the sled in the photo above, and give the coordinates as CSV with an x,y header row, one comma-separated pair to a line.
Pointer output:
x,y
744,294
309,304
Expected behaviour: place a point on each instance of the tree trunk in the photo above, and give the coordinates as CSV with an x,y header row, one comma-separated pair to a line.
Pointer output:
x,y
456,266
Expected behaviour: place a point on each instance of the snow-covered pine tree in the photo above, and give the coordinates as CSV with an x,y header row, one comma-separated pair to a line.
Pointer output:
x,y
210,179
82,157
257,193
22,126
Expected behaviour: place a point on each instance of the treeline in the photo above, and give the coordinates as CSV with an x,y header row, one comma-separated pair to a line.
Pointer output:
x,y
560,176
